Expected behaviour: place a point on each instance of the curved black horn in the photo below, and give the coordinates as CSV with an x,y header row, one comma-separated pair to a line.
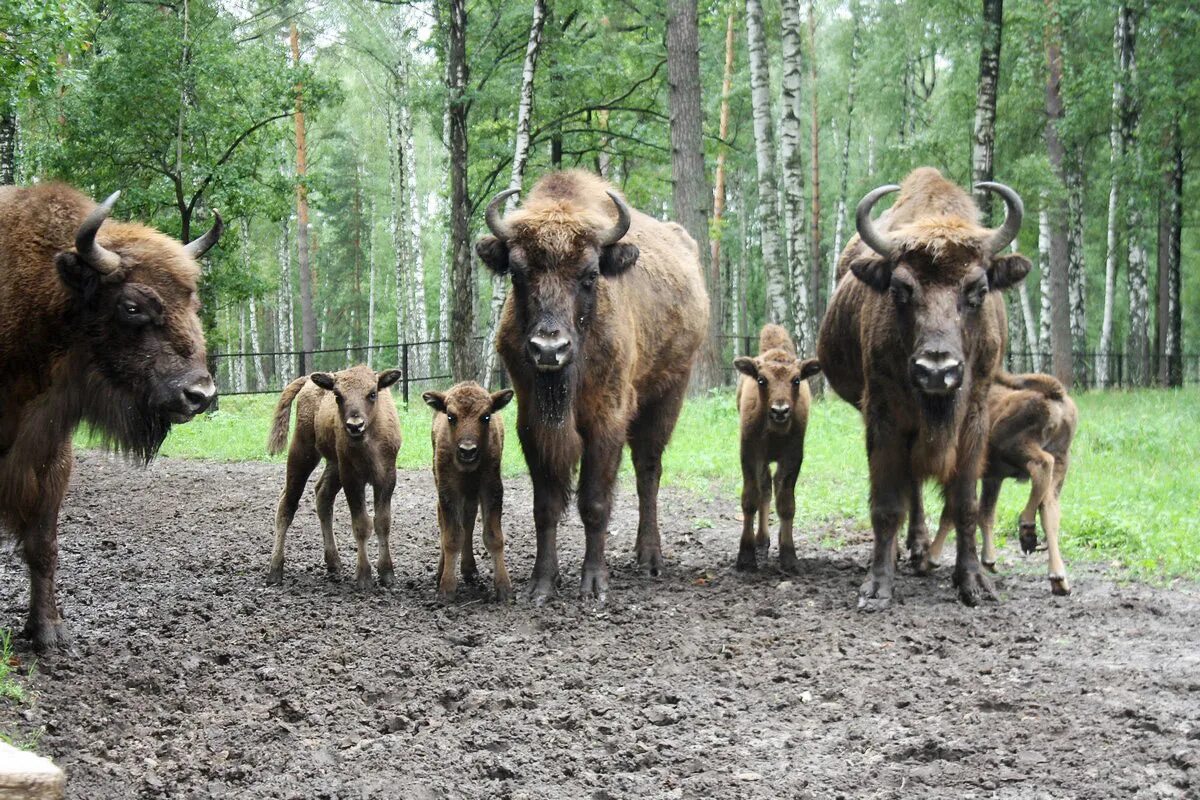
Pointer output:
x,y
492,215
102,260
1005,234
866,229
198,247
614,234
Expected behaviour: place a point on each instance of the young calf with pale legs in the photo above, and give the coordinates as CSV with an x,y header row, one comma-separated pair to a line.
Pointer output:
x,y
468,442
1033,422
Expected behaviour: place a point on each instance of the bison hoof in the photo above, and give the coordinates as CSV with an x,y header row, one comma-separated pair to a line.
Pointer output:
x,y
387,576
504,594
875,594
1029,538
973,586
921,563
747,560
542,588
594,583
1059,585
446,597
788,563
49,637
650,561
274,577
362,581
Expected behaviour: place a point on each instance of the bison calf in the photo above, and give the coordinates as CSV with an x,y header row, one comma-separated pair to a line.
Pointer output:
x,y
348,418
773,401
468,441
1033,422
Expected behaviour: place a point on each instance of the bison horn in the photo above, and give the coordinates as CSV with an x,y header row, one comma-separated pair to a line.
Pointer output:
x,y
492,216
614,234
1005,234
871,237
102,259
198,247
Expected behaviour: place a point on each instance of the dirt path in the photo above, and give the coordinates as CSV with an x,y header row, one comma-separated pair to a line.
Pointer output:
x,y
193,679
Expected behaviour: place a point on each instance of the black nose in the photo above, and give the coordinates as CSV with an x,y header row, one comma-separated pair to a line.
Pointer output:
x,y
780,412
937,372
468,451
198,395
355,426
549,350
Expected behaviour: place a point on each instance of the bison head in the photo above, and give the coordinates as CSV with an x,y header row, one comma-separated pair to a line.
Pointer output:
x,y
938,272
779,376
468,408
356,391
139,343
556,262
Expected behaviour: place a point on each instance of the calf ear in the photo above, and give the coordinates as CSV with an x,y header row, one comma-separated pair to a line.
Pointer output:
x,y
746,366
323,379
617,258
77,275
873,269
500,399
493,253
435,400
1008,270
809,367
388,377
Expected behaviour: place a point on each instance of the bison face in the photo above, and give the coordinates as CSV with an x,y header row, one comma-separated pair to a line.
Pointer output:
x,y
468,408
779,377
138,337
356,391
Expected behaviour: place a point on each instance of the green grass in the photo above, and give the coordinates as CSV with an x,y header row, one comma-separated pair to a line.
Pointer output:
x,y
1131,496
10,688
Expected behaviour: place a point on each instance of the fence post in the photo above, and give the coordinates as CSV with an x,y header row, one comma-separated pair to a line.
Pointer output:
x,y
404,370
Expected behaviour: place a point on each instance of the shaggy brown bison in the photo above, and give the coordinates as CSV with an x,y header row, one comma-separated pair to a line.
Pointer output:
x,y
599,333
912,338
468,443
349,419
1033,422
773,399
98,323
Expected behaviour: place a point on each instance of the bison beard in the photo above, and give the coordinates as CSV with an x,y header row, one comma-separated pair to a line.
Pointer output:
x,y
554,395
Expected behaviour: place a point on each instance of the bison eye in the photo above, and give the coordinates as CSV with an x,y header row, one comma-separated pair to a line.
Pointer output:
x,y
486,418
453,420
589,280
372,396
796,381
762,381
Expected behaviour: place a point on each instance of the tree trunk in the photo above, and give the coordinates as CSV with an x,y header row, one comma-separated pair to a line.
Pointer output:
x,y
839,221
814,160
691,193
463,353
774,267
284,362
1043,358
1138,274
1056,281
1076,269
1174,348
516,176
984,137
414,301
259,360
722,134
308,316
1117,138
1018,342
370,359
795,217
8,143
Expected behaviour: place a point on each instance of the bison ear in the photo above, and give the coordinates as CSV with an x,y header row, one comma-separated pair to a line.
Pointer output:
x,y
809,367
388,377
500,399
493,253
435,400
1008,270
615,259
746,366
323,379
874,270
77,275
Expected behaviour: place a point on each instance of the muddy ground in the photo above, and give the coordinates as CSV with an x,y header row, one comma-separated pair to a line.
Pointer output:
x,y
194,679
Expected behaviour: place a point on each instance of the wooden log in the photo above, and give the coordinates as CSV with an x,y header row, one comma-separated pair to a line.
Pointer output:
x,y
28,776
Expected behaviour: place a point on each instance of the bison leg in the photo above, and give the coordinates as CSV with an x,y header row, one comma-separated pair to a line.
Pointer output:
x,y
328,486
383,529
1040,466
466,556
918,532
1050,521
889,467
301,462
751,503
987,520
945,525
648,437
550,493
451,541
597,475
39,543
356,498
492,507
785,507
972,584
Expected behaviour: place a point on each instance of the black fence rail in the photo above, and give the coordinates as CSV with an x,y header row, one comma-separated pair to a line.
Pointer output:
x,y
426,365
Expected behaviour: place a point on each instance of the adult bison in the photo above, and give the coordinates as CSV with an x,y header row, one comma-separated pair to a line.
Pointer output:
x,y
913,335
98,323
607,311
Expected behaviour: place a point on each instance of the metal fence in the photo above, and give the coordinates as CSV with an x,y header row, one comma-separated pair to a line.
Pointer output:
x,y
425,365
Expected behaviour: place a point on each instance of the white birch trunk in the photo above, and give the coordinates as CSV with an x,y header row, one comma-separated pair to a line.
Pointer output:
x,y
1043,338
1116,139
790,152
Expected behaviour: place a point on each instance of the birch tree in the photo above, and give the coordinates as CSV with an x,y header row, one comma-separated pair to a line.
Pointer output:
x,y
839,217
723,135
983,138
795,220
1055,279
1138,273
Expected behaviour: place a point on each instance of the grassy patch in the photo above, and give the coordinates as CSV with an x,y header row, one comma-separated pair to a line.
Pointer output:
x,y
1130,496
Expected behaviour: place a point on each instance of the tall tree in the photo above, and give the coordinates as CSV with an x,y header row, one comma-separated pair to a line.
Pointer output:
x,y
1170,328
814,160
722,148
1056,281
1137,274
517,174
308,315
795,218
774,266
463,353
839,216
983,139
1076,268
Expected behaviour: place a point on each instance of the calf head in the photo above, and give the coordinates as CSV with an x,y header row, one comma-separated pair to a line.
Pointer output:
x,y
142,352
779,377
557,256
468,408
356,391
938,272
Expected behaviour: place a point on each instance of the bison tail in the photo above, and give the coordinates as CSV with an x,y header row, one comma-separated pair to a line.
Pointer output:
x,y
283,416
1047,385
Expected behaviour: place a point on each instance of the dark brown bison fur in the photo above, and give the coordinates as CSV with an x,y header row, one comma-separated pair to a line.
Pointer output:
x,y
349,419
1033,422
773,401
634,313
114,341
468,443
930,294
